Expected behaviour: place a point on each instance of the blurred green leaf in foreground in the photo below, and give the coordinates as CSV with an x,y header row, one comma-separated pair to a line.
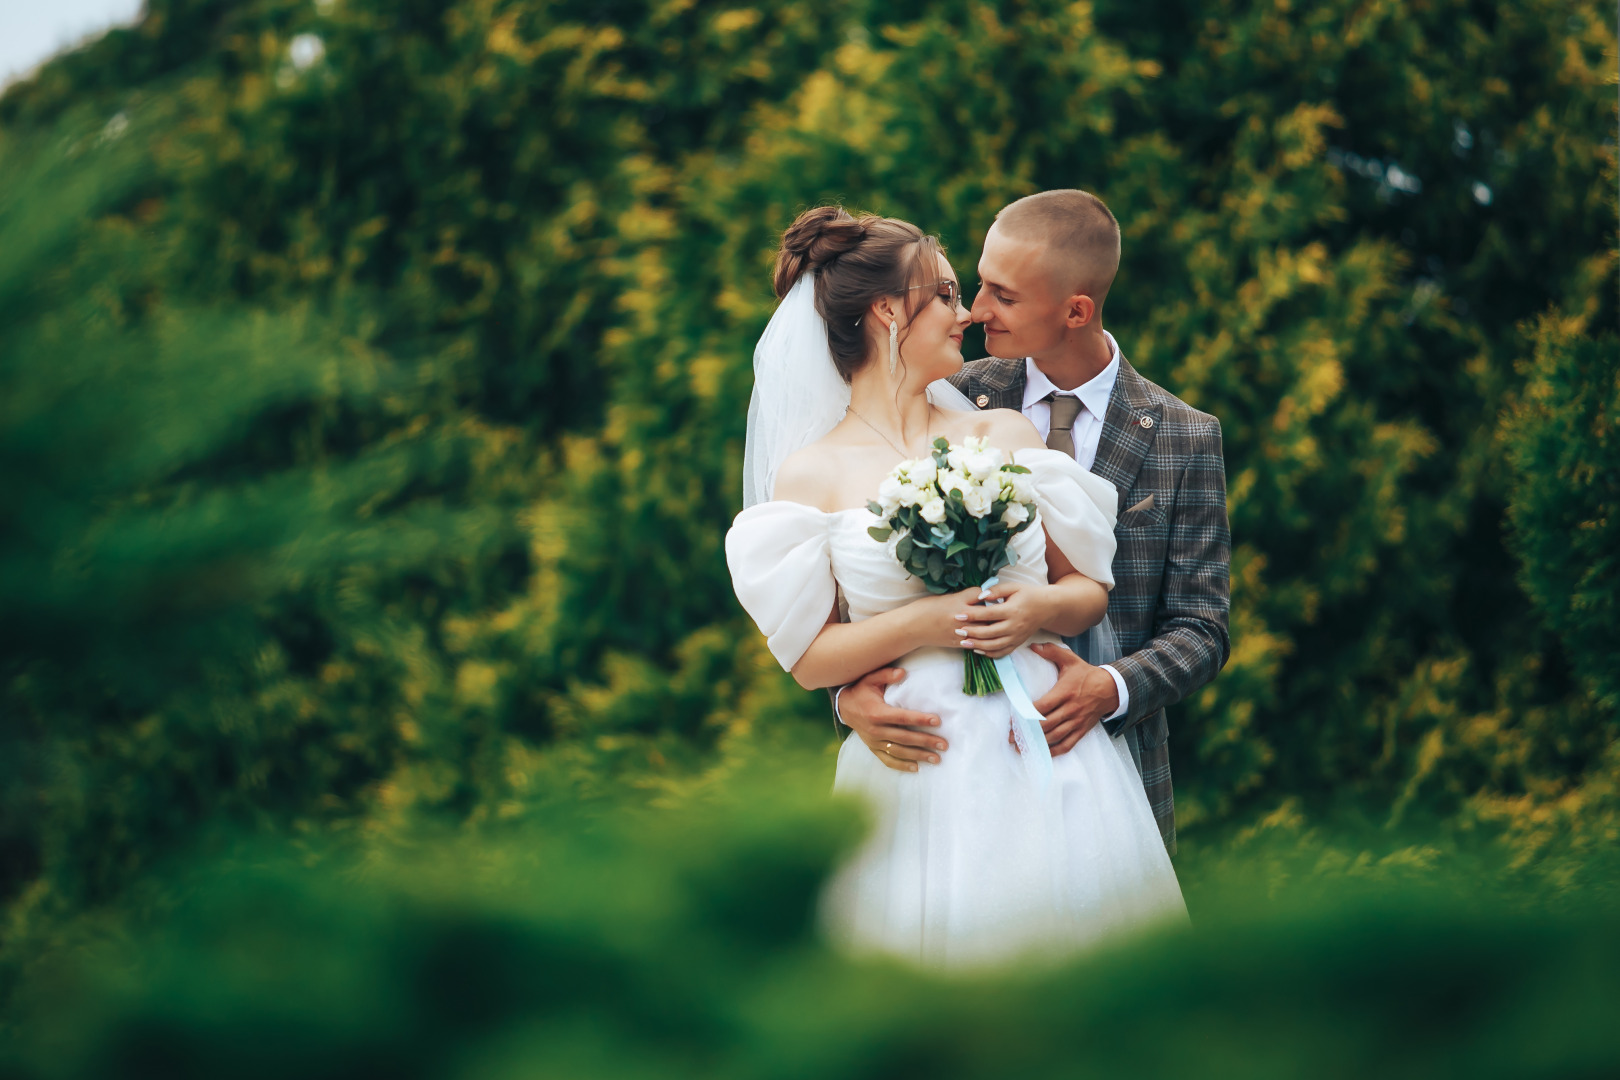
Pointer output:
x,y
683,943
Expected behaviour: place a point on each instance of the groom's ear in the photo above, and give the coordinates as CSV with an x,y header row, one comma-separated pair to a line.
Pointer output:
x,y
1081,310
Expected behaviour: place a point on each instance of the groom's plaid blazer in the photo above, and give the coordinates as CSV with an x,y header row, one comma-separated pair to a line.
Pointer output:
x,y
1171,580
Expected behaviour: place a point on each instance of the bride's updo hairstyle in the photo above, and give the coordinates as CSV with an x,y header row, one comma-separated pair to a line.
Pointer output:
x,y
857,261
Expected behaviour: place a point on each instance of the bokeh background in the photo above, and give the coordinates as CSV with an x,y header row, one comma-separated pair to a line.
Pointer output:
x,y
372,388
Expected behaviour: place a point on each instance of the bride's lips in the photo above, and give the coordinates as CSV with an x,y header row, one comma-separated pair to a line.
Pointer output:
x,y
957,338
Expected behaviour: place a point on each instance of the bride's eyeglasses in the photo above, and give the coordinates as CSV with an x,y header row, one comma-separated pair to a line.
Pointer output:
x,y
949,291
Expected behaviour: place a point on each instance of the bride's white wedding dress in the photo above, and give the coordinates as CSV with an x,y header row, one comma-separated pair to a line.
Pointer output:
x,y
967,864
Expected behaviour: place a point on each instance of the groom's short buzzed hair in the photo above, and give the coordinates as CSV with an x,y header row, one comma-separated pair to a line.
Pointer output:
x,y
1077,227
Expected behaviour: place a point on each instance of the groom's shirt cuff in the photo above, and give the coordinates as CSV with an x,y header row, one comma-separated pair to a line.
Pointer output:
x,y
1124,693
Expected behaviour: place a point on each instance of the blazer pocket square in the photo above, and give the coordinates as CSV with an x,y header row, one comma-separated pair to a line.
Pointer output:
x,y
1145,504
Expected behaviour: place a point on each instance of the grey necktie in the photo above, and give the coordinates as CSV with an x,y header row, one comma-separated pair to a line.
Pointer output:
x,y
1065,407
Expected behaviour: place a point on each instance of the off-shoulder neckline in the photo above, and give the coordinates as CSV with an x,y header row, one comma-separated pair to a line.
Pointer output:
x,y
864,510
812,509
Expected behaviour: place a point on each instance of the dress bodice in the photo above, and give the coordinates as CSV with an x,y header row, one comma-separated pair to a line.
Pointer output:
x,y
788,561
872,579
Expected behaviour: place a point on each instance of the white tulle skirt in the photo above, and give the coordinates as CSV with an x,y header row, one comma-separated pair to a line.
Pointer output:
x,y
968,866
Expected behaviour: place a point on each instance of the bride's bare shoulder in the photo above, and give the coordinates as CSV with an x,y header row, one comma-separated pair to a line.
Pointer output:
x,y
809,476
1007,429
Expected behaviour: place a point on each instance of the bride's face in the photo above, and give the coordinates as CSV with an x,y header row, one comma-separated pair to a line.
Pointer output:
x,y
931,346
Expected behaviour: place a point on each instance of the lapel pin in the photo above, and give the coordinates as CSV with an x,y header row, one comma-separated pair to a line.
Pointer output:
x,y
1146,422
983,400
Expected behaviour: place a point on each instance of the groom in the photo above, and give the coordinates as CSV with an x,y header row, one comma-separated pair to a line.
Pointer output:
x,y
1048,262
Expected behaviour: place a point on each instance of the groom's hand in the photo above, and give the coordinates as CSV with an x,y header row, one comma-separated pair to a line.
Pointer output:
x,y
1082,695
899,737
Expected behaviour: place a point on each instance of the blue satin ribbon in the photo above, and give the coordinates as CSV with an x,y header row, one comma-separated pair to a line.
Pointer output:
x,y
1027,731
1028,735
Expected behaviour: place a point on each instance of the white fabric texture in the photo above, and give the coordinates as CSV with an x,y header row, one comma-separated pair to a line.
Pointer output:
x,y
1078,508
967,865
777,552
945,396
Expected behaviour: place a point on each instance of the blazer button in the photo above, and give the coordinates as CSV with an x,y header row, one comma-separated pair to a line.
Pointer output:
x,y
1146,422
983,400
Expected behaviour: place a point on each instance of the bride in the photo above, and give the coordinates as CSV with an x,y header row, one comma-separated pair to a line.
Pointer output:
x,y
968,862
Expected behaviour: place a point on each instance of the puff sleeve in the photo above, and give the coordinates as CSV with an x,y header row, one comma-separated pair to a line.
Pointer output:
x,y
781,570
1078,509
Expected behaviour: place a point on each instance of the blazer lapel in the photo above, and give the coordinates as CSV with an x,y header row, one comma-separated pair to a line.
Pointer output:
x,y
1128,431
992,383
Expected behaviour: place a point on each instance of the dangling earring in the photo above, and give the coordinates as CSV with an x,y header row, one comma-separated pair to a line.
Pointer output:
x,y
894,344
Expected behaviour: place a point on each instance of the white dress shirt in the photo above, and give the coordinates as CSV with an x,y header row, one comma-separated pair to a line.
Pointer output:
x,y
1087,433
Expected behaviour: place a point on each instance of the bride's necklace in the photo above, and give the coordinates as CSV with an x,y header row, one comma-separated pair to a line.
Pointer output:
x,y
902,451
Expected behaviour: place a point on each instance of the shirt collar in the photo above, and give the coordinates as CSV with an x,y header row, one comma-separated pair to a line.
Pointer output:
x,y
1093,394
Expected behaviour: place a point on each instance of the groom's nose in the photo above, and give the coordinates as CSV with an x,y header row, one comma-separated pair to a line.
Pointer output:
x,y
980,311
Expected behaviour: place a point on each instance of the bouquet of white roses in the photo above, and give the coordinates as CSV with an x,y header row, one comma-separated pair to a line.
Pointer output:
x,y
949,518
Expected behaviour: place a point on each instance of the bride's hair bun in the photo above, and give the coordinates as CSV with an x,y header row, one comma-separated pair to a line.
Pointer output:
x,y
856,260
815,238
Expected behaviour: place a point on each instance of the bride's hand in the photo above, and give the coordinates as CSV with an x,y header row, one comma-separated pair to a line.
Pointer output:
x,y
996,629
939,617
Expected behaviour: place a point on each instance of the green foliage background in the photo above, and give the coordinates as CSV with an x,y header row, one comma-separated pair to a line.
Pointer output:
x,y
371,401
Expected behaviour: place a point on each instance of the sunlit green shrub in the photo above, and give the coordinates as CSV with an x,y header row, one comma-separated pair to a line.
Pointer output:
x,y
1565,445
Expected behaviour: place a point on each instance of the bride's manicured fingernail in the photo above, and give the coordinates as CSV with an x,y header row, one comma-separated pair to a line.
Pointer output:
x,y
961,633
934,758
961,618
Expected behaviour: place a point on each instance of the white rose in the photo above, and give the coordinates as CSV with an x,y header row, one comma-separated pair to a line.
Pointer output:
x,y
889,490
1020,487
982,464
951,480
933,511
908,495
922,471
1015,515
957,458
976,500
